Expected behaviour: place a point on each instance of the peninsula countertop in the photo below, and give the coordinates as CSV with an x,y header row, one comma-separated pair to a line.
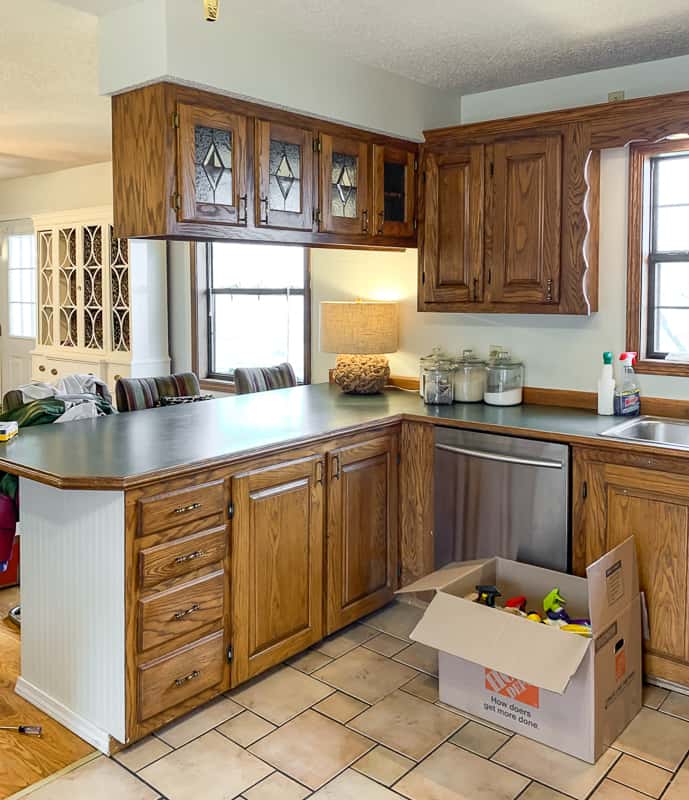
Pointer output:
x,y
125,450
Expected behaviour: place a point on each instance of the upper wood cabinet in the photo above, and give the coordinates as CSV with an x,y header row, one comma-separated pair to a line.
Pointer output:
x,y
193,165
361,529
617,496
284,176
509,224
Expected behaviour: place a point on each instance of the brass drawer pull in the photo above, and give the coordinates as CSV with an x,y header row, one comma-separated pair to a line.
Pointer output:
x,y
191,610
187,509
190,677
190,557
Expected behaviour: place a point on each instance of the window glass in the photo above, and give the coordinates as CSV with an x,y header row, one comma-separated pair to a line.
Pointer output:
x,y
21,289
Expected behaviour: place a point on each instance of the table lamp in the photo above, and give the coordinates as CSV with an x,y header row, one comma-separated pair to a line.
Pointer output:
x,y
359,332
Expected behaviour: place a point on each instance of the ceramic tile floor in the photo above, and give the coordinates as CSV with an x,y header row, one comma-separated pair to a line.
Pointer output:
x,y
358,718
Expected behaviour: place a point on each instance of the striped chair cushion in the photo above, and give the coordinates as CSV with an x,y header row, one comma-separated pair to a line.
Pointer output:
x,y
136,394
263,379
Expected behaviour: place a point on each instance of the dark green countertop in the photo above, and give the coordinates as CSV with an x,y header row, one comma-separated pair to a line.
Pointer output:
x,y
122,450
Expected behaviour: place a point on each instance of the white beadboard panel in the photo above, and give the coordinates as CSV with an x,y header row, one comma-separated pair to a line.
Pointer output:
x,y
72,579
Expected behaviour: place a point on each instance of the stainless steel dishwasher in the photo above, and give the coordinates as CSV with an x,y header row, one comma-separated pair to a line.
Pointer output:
x,y
500,496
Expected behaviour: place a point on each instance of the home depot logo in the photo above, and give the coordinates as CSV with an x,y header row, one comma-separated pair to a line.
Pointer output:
x,y
510,687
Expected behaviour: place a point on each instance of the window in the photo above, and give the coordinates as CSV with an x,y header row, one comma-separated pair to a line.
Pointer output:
x,y
21,290
658,278
252,308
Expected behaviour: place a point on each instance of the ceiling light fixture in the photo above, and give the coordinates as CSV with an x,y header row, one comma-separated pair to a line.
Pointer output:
x,y
211,10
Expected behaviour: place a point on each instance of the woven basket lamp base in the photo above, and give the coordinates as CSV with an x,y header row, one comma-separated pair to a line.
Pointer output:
x,y
361,374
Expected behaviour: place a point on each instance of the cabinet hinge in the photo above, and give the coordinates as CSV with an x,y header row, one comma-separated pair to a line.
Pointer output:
x,y
317,146
399,572
584,490
399,458
176,201
317,216
415,223
175,119
489,277
423,277
230,511
492,169
229,654
416,165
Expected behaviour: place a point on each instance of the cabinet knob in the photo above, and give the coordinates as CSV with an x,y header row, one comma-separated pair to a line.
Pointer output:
x,y
53,371
364,220
41,368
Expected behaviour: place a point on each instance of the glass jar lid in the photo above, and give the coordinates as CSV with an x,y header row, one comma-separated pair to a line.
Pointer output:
x,y
468,358
502,358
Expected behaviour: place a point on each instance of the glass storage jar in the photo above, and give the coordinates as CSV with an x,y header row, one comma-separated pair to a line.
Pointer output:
x,y
504,380
426,362
438,384
470,378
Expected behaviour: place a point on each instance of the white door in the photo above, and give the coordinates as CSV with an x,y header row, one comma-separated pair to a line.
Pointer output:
x,y
18,312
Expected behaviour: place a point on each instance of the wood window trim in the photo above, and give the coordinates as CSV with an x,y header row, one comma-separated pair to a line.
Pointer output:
x,y
638,248
199,320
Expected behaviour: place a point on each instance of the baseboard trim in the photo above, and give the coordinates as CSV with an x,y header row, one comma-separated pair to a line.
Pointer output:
x,y
663,683
86,730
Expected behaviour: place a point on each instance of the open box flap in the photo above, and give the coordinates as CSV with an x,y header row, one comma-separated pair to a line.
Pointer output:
x,y
613,582
538,654
443,577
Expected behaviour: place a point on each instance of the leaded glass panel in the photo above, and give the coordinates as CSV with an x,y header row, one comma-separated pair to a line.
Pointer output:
x,y
284,191
394,199
213,162
343,202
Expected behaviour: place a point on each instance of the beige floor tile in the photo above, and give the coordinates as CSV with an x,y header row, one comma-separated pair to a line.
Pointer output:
x,y
656,737
312,749
397,619
408,725
473,717
609,790
341,707
277,787
143,753
536,791
344,641
309,661
211,767
420,657
553,768
479,739
353,786
365,674
281,694
424,686
246,728
383,765
679,788
451,773
386,645
101,778
676,704
200,721
653,696
641,776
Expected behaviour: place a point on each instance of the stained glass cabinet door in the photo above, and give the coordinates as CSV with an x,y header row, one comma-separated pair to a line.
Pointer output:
x,y
393,191
284,176
345,180
212,167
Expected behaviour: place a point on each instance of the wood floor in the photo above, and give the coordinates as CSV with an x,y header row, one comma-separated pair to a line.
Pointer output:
x,y
27,759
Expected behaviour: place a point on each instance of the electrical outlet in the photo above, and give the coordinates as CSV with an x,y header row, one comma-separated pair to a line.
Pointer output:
x,y
615,97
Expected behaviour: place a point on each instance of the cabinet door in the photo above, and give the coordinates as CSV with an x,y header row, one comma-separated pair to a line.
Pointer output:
x,y
344,186
362,529
277,563
652,506
452,251
284,176
393,191
525,221
211,164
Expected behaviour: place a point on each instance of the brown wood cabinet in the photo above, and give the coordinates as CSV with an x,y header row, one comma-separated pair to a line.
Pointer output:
x,y
617,496
345,186
361,529
394,191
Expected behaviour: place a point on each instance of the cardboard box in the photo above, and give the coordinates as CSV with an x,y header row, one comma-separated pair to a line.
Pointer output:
x,y
566,691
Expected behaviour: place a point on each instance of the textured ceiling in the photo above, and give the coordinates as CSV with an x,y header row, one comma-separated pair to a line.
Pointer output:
x,y
51,116
97,7
474,46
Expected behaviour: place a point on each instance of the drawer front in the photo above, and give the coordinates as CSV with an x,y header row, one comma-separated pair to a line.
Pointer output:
x,y
170,680
180,611
181,506
180,557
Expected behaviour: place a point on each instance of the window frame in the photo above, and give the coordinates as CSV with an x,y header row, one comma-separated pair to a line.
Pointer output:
x,y
10,302
200,316
641,255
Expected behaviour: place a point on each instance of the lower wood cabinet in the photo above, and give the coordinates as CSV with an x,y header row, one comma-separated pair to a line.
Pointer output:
x,y
362,529
617,496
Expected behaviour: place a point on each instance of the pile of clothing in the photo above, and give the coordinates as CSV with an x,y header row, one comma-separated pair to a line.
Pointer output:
x,y
74,397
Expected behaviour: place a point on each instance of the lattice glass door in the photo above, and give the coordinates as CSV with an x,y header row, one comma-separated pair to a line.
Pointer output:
x,y
91,309
119,294
46,288
67,287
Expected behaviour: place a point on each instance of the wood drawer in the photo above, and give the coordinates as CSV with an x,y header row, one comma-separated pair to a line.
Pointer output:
x,y
182,556
182,506
181,611
170,680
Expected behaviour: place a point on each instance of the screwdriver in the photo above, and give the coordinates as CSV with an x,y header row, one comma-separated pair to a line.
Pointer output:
x,y
27,730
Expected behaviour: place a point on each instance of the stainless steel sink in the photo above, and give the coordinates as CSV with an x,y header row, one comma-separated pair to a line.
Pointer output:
x,y
658,431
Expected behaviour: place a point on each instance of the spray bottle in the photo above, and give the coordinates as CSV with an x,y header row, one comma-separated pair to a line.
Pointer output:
x,y
627,396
